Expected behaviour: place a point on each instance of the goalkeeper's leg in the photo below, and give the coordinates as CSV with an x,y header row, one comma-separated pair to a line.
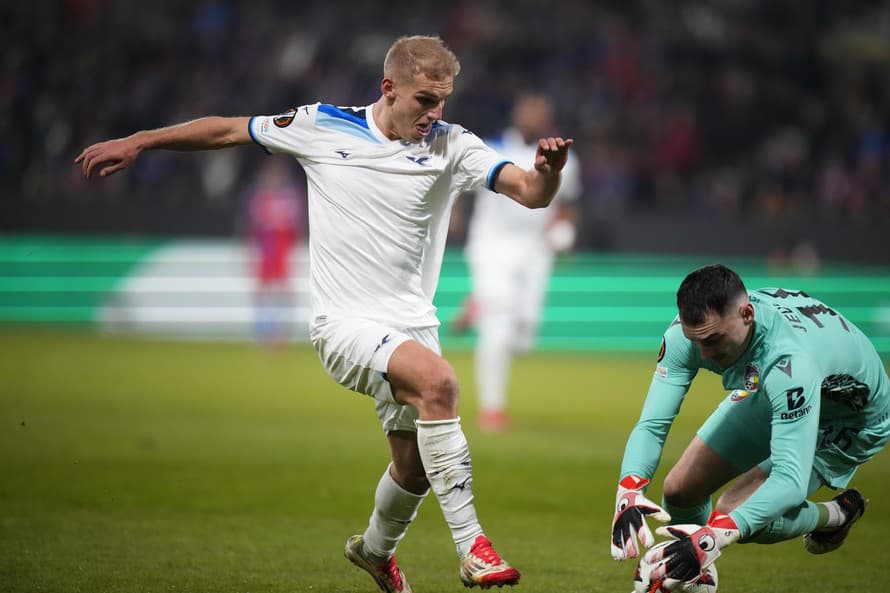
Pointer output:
x,y
689,485
730,441
697,514
812,520
843,511
803,519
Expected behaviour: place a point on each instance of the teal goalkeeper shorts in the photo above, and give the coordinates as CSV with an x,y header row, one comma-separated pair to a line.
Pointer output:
x,y
740,433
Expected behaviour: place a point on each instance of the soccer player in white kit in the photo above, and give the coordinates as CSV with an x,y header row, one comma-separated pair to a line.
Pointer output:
x,y
510,251
382,180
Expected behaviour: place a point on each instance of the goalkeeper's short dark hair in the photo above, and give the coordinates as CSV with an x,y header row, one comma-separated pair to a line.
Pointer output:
x,y
710,288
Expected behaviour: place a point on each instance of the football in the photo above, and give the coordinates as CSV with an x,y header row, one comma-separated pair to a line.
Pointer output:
x,y
706,583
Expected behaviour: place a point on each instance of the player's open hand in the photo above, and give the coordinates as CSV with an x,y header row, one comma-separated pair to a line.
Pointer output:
x,y
629,523
552,154
108,157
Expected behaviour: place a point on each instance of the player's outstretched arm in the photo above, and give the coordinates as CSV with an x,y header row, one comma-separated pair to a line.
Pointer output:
x,y
206,133
536,187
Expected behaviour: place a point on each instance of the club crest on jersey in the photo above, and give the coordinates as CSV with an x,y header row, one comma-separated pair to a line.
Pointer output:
x,y
738,395
752,377
283,120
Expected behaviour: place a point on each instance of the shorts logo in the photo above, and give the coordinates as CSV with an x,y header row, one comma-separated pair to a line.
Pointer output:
x,y
661,351
752,377
661,371
382,342
738,395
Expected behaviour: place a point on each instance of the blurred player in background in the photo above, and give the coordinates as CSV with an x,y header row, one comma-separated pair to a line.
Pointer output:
x,y
510,251
275,219
809,402
382,180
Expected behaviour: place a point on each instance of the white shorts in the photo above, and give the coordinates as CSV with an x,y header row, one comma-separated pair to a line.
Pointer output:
x,y
510,286
356,353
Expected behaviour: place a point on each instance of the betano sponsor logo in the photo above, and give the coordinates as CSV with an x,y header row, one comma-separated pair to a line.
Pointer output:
x,y
796,413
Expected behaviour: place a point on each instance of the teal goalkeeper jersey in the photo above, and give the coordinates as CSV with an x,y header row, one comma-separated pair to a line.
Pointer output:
x,y
821,385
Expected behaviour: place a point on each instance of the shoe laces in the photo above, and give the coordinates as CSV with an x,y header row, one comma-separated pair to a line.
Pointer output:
x,y
482,549
392,571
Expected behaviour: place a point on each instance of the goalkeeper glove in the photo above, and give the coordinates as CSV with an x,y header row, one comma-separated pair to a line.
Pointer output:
x,y
696,548
629,522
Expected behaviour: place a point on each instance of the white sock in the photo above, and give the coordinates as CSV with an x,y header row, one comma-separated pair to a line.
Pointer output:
x,y
446,459
836,516
394,510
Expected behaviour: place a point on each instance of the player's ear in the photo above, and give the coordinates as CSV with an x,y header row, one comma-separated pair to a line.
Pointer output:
x,y
388,88
747,312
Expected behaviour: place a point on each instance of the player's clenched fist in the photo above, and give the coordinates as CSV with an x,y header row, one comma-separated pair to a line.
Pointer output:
x,y
629,522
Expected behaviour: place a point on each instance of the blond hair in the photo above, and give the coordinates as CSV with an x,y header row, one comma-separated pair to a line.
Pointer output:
x,y
410,56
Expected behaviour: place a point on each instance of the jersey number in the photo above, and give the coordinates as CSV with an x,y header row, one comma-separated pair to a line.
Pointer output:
x,y
811,311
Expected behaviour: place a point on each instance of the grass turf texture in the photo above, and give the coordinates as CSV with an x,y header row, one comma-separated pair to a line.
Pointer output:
x,y
148,466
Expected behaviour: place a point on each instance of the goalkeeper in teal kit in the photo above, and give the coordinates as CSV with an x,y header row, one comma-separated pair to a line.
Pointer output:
x,y
808,402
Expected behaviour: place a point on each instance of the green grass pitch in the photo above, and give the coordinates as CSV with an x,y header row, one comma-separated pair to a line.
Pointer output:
x,y
149,466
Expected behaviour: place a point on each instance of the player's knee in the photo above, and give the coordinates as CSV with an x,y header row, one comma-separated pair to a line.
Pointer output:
x,y
442,392
677,491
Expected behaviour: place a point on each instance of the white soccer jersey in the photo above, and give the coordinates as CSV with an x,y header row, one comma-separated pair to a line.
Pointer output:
x,y
498,223
378,208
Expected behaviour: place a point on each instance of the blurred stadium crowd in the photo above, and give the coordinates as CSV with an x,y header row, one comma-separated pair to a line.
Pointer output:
x,y
759,109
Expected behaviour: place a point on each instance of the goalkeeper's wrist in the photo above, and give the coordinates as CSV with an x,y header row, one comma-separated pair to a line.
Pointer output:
x,y
745,528
633,482
726,530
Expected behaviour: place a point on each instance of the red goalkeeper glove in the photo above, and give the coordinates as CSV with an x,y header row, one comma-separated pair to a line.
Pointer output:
x,y
629,522
696,548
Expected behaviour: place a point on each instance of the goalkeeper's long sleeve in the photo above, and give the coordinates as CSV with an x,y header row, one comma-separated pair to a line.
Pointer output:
x,y
792,446
676,367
